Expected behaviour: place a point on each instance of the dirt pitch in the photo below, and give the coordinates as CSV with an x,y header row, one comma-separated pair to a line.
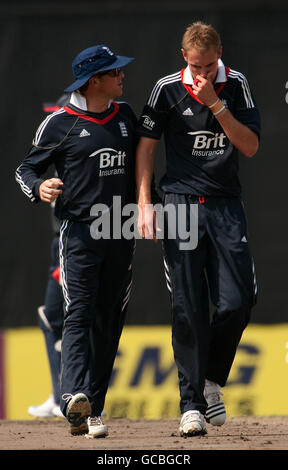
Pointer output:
x,y
245,433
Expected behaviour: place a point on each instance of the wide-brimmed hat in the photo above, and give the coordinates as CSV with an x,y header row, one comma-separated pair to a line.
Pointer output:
x,y
93,60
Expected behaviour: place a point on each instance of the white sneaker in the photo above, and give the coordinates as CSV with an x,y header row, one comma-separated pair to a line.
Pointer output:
x,y
192,424
77,412
46,410
57,412
215,413
96,428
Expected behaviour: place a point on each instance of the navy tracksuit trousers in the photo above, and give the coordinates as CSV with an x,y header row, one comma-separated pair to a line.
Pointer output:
x,y
221,265
96,278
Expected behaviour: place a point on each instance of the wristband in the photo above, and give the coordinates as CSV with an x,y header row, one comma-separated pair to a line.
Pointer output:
x,y
220,110
216,106
212,105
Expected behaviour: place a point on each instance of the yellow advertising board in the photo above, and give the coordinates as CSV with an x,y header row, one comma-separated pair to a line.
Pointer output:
x,y
26,371
144,382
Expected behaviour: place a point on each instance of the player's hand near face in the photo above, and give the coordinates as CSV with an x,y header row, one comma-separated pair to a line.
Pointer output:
x,y
203,88
49,189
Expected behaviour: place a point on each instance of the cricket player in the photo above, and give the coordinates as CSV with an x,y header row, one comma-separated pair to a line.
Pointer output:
x,y
208,115
91,144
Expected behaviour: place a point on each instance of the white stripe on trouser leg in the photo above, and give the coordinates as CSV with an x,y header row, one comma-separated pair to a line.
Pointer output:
x,y
127,296
254,279
167,276
62,263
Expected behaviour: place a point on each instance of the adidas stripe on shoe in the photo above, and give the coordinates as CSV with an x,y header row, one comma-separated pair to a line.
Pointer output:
x,y
215,413
77,412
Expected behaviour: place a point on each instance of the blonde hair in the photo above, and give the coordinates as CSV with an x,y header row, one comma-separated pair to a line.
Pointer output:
x,y
200,36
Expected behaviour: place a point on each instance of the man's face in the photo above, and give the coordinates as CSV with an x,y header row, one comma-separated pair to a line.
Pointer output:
x,y
202,63
111,83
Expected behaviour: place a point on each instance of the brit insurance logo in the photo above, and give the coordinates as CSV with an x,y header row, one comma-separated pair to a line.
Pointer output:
x,y
148,123
111,161
208,144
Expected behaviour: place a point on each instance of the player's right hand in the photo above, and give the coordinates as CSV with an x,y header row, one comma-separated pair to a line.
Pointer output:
x,y
49,190
147,222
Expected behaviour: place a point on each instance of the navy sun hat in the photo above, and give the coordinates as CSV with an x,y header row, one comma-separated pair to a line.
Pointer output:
x,y
93,60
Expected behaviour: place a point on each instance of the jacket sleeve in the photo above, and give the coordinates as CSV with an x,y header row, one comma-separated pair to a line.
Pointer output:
x,y
246,110
40,157
154,116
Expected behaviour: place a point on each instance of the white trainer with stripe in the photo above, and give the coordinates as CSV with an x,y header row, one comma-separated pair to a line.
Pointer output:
x,y
215,413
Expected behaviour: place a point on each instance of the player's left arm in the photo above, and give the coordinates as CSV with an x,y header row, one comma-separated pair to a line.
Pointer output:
x,y
239,134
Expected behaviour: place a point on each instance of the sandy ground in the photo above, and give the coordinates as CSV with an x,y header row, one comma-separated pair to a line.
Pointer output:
x,y
245,433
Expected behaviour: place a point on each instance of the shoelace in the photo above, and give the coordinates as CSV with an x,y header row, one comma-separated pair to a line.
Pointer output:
x,y
214,397
67,396
95,421
191,415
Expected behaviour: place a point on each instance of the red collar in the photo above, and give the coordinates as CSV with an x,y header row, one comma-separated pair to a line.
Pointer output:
x,y
190,89
90,118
